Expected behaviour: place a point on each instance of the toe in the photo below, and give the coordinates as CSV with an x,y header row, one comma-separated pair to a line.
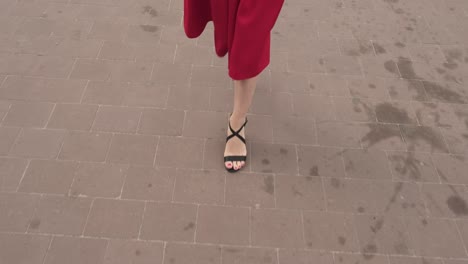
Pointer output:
x,y
228,164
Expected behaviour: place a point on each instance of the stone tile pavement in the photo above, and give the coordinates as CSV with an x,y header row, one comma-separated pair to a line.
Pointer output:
x,y
112,127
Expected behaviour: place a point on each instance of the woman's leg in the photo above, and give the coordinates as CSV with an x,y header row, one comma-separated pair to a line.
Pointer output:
x,y
243,94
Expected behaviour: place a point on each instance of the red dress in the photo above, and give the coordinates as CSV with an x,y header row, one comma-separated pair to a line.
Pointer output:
x,y
242,28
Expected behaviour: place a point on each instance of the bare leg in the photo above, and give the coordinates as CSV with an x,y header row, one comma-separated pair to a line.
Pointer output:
x,y
243,94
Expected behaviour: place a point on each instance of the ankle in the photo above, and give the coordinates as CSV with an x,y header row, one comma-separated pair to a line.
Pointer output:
x,y
237,120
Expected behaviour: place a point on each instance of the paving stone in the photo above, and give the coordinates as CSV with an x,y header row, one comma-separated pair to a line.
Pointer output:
x,y
414,260
294,130
38,143
304,257
99,180
383,234
329,231
199,186
430,235
251,189
171,74
413,166
21,248
435,114
399,198
7,138
289,82
395,113
102,92
147,183
260,128
425,139
133,149
162,122
445,200
11,172
107,31
354,109
52,67
72,29
320,161
209,76
18,211
122,251
28,114
4,106
189,152
205,124
224,225
370,88
174,34
85,146
220,99
147,94
342,65
337,134
117,119
277,158
380,67
299,192
116,50
192,253
382,137
191,54
89,69
457,140
232,255
406,90
74,48
60,215
316,107
114,219
360,258
129,71
48,176
76,250
450,168
73,116
445,92
326,85
355,48
169,222
277,228
17,65
354,196
267,103
366,164
345,195
185,97
463,229
39,89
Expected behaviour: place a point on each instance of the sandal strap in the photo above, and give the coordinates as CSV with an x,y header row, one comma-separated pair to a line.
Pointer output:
x,y
235,158
236,133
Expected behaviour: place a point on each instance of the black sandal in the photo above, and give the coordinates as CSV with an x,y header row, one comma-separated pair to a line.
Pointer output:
x,y
235,158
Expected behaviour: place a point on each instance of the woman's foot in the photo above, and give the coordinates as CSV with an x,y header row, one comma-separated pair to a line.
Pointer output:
x,y
235,146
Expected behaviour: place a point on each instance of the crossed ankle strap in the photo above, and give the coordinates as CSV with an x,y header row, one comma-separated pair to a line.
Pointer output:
x,y
236,133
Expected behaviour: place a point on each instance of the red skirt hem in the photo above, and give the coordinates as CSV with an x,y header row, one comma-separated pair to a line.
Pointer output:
x,y
241,28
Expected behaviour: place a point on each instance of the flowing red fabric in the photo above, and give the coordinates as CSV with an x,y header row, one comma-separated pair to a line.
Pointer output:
x,y
241,29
